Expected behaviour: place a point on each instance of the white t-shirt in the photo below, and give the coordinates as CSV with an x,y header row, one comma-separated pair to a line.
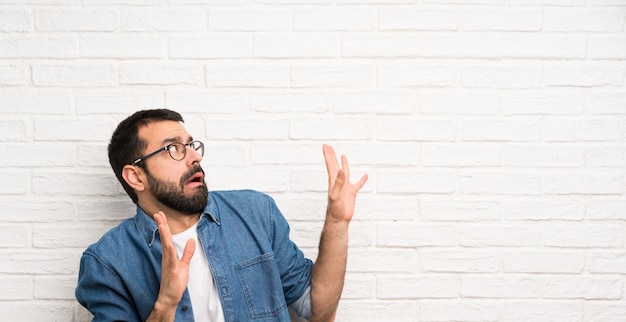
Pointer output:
x,y
205,299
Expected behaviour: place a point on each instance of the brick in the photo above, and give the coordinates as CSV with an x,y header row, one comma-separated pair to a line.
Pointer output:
x,y
372,101
77,20
502,20
332,75
376,154
335,19
499,236
607,209
161,74
417,19
16,21
15,236
583,236
543,261
247,75
359,286
459,261
15,288
583,130
12,129
271,180
14,74
370,310
203,101
43,262
250,20
416,74
124,46
55,288
414,129
386,44
544,46
415,235
448,209
57,155
118,101
583,183
541,311
308,180
35,46
76,75
607,47
345,128
458,102
15,182
608,262
587,20
544,156
417,287
211,47
502,76
230,154
163,20
296,45
458,310
500,183
415,181
606,157
68,183
247,129
291,101
607,103
23,101
37,209
543,102
604,311
382,260
79,129
583,75
565,209
500,286
68,236
579,287
500,130
283,154
373,208
110,210
36,310
444,154
462,46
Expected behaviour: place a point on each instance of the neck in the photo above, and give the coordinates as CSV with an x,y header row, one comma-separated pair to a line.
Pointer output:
x,y
177,221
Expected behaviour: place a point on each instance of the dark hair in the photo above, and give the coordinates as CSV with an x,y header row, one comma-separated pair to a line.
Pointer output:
x,y
126,146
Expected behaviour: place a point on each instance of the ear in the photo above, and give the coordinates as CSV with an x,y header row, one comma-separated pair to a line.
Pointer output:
x,y
134,177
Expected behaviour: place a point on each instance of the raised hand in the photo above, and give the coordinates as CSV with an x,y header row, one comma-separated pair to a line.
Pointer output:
x,y
341,192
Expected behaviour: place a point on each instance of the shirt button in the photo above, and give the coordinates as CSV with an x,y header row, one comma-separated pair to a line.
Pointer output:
x,y
185,308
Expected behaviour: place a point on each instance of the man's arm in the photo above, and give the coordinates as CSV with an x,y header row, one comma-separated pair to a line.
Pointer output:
x,y
174,274
330,268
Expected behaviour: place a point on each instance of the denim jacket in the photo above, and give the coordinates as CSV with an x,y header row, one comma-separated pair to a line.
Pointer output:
x,y
257,269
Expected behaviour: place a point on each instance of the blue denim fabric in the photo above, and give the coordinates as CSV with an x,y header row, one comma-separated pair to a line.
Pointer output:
x,y
257,269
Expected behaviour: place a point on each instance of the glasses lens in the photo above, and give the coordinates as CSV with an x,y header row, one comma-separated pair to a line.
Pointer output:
x,y
177,151
198,146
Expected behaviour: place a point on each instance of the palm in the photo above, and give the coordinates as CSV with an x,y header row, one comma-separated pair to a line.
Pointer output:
x,y
341,192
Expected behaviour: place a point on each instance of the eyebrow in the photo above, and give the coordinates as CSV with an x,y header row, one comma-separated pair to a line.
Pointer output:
x,y
175,139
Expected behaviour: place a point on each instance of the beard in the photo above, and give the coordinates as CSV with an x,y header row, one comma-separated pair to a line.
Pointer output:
x,y
174,197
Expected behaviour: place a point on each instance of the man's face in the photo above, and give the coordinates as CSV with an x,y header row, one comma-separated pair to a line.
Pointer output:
x,y
179,185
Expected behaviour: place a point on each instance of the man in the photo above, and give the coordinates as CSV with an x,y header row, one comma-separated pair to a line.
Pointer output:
x,y
191,255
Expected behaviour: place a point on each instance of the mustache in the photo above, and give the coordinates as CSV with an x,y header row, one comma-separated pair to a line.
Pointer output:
x,y
190,173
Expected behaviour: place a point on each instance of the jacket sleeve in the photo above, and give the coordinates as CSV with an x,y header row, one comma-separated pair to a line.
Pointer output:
x,y
103,293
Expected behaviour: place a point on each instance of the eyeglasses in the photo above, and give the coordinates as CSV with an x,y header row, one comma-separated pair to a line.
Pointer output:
x,y
176,150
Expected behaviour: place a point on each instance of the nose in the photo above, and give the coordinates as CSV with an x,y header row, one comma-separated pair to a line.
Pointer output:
x,y
193,156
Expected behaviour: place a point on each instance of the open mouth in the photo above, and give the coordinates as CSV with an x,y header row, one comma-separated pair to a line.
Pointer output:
x,y
195,180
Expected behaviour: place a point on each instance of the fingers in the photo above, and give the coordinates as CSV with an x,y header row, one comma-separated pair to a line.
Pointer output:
x,y
331,162
190,248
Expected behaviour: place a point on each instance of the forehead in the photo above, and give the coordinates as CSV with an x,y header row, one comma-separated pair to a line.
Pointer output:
x,y
160,132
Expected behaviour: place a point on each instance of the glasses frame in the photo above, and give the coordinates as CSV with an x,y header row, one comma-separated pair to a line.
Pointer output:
x,y
167,148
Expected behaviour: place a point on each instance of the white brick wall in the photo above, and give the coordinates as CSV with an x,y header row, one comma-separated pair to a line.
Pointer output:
x,y
493,132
